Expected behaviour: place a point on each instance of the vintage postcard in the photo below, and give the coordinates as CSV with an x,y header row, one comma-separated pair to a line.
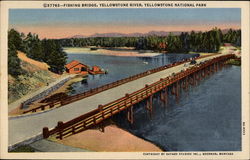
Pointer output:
x,y
124,80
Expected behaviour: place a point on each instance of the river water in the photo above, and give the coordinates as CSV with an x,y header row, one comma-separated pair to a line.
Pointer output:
x,y
118,67
206,118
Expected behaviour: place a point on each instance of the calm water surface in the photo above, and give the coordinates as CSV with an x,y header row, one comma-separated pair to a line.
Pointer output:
x,y
207,117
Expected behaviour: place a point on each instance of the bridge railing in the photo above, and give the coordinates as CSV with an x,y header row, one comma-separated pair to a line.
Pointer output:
x,y
70,99
106,111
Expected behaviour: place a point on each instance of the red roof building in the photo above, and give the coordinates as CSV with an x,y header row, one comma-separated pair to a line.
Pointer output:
x,y
76,67
96,70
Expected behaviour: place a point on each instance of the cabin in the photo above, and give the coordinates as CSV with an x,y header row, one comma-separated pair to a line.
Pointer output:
x,y
96,70
76,67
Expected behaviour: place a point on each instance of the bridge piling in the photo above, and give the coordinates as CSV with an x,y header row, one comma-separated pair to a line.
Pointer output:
x,y
186,84
166,96
212,68
208,71
177,92
202,73
172,89
162,96
191,80
194,78
220,65
199,75
130,115
149,106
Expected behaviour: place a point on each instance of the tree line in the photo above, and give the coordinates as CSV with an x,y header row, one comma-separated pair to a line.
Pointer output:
x,y
46,50
50,50
209,41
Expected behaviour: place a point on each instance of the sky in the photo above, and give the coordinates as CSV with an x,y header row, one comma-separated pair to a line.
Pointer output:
x,y
61,23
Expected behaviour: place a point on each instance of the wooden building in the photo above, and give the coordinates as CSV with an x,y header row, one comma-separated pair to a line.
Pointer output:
x,y
76,67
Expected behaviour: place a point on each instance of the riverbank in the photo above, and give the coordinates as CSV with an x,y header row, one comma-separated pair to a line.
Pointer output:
x,y
113,139
123,52
236,62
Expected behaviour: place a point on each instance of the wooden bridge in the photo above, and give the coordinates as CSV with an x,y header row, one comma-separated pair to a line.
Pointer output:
x,y
171,84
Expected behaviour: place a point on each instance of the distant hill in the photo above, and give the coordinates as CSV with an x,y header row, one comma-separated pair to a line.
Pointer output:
x,y
78,36
137,34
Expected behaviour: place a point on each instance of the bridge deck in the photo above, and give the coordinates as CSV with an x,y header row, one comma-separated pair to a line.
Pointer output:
x,y
25,127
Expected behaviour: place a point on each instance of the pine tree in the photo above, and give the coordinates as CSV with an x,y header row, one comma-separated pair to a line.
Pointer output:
x,y
14,43
55,56
14,67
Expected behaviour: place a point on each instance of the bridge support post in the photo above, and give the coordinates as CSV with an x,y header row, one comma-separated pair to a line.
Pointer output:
x,y
203,73
173,89
162,97
207,71
220,66
177,92
195,78
199,75
212,68
166,96
192,80
216,66
130,115
149,105
186,83
182,83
